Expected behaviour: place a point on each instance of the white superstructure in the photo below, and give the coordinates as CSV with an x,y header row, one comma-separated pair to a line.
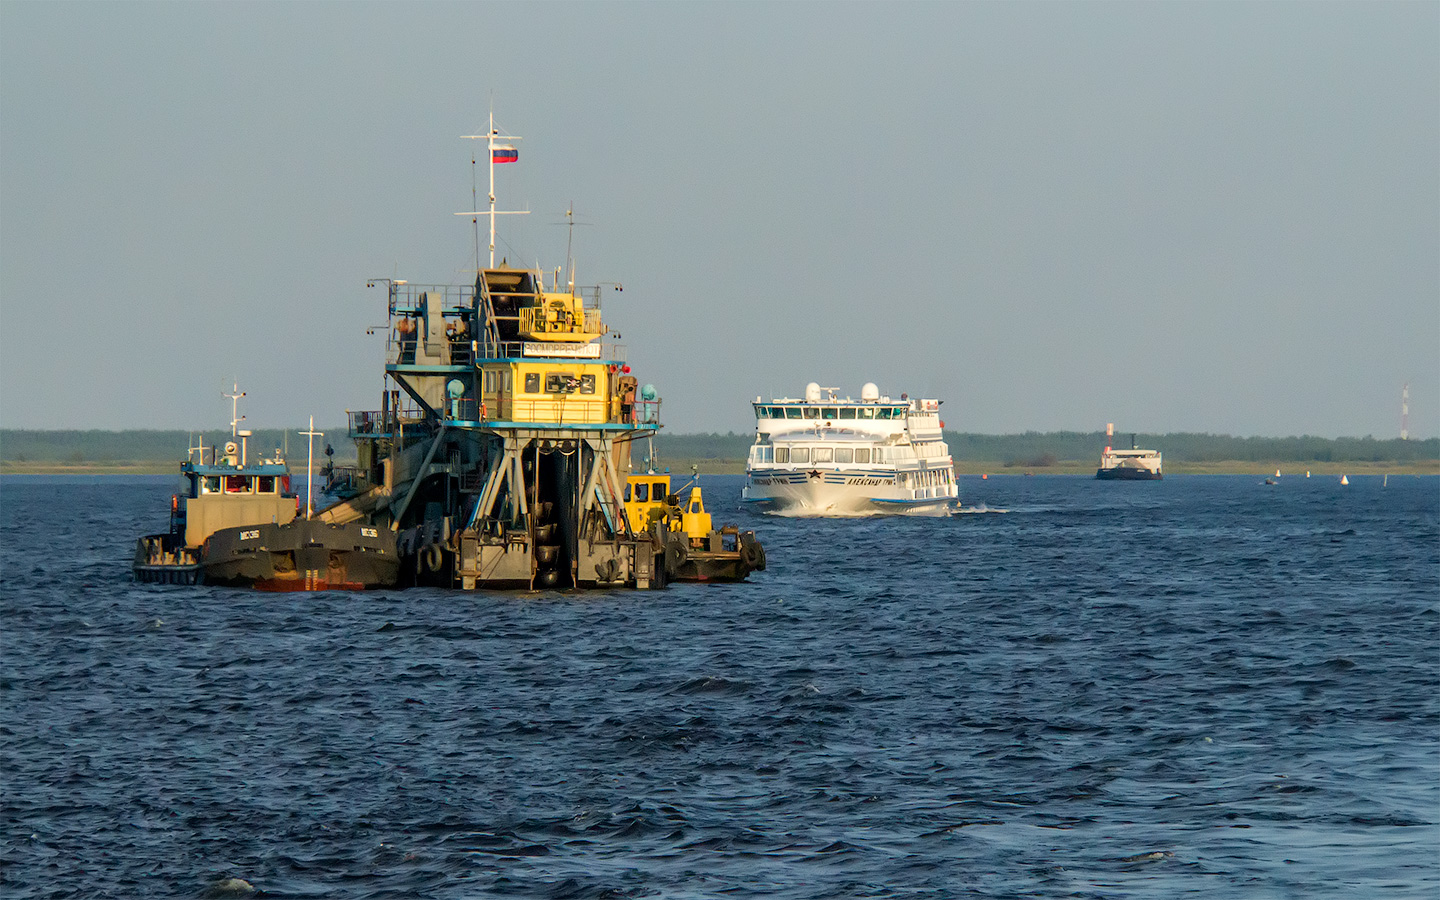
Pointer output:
x,y
826,456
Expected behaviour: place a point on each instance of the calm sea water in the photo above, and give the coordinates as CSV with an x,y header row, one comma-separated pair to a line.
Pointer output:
x,y
1203,685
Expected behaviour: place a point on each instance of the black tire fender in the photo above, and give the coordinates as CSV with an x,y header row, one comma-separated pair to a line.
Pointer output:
x,y
433,557
751,553
675,554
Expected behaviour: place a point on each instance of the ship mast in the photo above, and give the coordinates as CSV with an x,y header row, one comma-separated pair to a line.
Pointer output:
x,y
491,137
310,437
235,417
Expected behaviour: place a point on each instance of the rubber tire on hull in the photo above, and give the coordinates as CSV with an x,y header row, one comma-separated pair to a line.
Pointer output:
x,y
675,555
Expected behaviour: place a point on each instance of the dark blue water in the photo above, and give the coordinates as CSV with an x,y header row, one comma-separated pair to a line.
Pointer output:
x,y
1202,685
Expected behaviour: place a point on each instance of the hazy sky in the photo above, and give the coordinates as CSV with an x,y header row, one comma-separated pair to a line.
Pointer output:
x,y
1178,216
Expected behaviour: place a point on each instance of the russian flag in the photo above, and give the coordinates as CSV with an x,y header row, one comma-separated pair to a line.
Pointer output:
x,y
504,154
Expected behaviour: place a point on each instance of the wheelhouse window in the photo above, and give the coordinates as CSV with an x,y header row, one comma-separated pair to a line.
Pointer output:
x,y
800,455
587,384
844,455
811,412
627,492
867,413
210,484
642,492
662,489
532,382
847,412
862,454
824,455
830,412
782,454
265,484
564,383
237,484
792,412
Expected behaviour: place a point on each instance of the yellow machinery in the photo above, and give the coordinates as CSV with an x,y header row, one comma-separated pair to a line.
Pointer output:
x,y
694,520
646,497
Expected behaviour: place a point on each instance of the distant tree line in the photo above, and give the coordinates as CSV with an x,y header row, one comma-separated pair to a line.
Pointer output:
x,y
22,445
1033,449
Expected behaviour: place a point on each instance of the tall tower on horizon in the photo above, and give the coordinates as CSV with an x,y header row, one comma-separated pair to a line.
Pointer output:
x,y
1405,412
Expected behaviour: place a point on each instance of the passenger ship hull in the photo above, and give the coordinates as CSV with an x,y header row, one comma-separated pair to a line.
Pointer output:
x,y
840,494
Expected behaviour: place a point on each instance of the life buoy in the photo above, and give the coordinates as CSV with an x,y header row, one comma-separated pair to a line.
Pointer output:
x,y
433,557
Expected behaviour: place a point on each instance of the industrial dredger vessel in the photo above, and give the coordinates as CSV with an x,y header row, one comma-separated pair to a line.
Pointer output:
x,y
500,453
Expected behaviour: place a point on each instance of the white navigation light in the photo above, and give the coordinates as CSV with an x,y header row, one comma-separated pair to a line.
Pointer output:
x,y
870,391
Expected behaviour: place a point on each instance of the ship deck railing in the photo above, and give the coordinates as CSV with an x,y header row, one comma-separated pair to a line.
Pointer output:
x,y
466,354
371,424
552,411
405,297
454,298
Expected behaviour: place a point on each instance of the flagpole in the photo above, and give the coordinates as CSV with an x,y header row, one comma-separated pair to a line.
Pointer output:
x,y
490,147
490,152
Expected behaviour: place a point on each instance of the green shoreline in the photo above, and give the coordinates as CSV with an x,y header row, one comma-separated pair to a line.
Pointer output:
x,y
962,467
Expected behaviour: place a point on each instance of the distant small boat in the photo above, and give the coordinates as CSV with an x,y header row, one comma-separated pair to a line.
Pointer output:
x,y
1344,480
1270,481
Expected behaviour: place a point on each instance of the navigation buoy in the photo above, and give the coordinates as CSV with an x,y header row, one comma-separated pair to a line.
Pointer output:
x,y
1344,480
984,477
1277,473
1307,473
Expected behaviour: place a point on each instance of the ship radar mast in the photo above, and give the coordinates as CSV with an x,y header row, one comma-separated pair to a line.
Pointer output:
x,y
235,420
235,417
499,151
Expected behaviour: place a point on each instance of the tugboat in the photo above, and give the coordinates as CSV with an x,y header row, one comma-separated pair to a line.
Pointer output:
x,y
301,555
695,549
237,524
1128,465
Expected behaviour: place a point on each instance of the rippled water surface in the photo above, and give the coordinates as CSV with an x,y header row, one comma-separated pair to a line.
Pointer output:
x,y
1108,690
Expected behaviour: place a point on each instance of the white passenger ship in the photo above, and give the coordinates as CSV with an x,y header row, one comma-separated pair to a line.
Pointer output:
x,y
824,456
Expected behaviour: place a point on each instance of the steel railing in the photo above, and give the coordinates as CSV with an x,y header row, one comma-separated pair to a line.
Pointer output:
x,y
402,351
